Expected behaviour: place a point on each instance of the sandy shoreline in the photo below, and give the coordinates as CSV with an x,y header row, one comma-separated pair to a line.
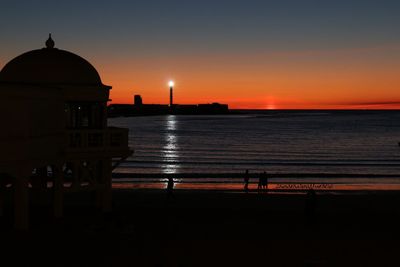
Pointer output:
x,y
278,182
215,228
274,188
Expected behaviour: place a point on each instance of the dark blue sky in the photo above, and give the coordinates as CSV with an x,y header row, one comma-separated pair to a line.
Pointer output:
x,y
165,26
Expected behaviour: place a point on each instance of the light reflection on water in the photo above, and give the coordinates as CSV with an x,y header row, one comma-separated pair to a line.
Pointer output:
x,y
170,149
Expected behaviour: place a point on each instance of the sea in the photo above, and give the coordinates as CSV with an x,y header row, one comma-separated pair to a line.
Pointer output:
x,y
298,149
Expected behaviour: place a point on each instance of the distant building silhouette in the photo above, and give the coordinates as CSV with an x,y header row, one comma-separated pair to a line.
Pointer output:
x,y
140,109
54,128
214,108
138,100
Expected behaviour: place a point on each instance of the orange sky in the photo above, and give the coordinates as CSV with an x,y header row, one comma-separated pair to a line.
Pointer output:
x,y
362,78
336,79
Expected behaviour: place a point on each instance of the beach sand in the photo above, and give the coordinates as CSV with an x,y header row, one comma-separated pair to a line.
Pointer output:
x,y
212,228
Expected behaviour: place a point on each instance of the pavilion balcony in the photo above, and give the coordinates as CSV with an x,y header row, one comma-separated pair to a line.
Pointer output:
x,y
107,141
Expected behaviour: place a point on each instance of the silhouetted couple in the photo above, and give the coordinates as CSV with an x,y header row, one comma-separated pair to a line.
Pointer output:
x,y
263,182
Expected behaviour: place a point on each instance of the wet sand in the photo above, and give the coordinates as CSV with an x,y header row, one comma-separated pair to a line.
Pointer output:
x,y
212,228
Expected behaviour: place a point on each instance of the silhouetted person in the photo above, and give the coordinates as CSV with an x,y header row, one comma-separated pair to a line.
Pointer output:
x,y
265,181
310,205
170,186
246,181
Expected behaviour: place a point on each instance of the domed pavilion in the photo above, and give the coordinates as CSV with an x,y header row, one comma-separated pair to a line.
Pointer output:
x,y
54,133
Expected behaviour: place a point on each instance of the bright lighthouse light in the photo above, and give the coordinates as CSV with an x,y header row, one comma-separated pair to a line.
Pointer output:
x,y
171,83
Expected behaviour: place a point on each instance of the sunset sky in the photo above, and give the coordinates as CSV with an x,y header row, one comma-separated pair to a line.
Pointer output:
x,y
247,53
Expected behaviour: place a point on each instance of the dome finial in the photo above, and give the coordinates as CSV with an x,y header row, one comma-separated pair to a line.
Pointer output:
x,y
50,43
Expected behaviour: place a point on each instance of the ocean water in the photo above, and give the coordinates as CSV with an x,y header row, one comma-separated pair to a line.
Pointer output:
x,y
279,142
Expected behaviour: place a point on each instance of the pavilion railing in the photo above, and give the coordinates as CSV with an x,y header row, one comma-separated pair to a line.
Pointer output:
x,y
107,139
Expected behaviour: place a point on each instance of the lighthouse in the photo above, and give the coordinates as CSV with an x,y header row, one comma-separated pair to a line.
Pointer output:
x,y
171,93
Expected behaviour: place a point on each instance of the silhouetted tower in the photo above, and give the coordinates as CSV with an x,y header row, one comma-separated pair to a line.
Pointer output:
x,y
138,100
171,93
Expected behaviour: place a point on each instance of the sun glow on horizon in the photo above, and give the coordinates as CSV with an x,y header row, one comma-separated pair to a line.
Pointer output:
x,y
270,103
270,106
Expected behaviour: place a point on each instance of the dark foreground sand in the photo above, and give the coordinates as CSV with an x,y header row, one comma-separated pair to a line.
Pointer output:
x,y
203,228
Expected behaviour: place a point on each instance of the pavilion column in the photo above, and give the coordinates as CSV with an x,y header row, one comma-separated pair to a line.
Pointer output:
x,y
76,183
2,192
21,202
58,190
107,185
99,177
